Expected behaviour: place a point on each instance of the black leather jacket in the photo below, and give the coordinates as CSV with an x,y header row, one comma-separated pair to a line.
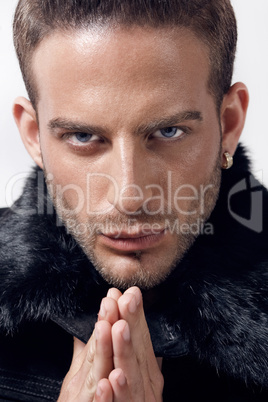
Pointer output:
x,y
209,320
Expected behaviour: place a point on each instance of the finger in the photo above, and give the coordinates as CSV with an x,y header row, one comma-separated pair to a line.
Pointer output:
x,y
104,392
91,363
98,362
103,359
114,293
119,385
131,309
125,359
108,310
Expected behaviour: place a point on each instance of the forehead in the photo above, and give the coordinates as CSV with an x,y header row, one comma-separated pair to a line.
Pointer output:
x,y
122,47
117,64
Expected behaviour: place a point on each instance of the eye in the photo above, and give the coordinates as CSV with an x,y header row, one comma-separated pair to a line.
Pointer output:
x,y
169,132
82,138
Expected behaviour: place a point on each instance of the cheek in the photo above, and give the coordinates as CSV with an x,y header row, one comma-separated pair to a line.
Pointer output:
x,y
68,182
194,163
203,155
75,180
190,173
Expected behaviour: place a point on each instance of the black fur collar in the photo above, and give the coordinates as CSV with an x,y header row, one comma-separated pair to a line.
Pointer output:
x,y
213,306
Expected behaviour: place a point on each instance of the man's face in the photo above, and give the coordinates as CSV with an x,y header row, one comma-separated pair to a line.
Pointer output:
x,y
130,141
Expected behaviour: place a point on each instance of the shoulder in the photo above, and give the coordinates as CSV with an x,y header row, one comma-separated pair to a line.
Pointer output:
x,y
3,212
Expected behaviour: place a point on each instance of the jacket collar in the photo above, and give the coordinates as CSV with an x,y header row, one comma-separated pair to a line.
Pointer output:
x,y
213,305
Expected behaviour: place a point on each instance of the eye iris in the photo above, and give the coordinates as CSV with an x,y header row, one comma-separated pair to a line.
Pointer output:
x,y
169,132
83,137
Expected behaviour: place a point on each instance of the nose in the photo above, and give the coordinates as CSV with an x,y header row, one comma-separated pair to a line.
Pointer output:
x,y
133,174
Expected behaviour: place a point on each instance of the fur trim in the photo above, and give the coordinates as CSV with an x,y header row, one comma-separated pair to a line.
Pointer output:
x,y
213,306
43,271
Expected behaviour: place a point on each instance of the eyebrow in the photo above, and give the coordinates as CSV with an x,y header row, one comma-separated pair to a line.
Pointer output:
x,y
69,125
169,121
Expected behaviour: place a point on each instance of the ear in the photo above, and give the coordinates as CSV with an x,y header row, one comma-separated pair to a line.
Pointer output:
x,y
233,115
26,120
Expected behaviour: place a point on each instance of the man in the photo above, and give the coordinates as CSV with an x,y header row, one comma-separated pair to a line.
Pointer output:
x,y
153,255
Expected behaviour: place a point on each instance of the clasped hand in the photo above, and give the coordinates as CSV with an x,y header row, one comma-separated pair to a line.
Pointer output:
x,y
118,362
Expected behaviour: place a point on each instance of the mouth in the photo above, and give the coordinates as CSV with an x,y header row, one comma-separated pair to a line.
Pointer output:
x,y
131,242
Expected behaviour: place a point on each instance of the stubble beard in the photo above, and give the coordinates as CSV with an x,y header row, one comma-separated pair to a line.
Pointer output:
x,y
141,276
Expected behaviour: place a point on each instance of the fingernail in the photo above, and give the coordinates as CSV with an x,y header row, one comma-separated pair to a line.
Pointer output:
x,y
99,391
121,379
132,307
102,309
126,333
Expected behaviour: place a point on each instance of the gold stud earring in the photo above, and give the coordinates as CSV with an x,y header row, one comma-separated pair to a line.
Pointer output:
x,y
228,161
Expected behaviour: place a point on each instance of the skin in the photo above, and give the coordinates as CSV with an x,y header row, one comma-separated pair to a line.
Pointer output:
x,y
116,84
124,368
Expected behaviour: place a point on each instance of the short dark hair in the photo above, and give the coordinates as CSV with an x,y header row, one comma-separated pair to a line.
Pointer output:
x,y
213,21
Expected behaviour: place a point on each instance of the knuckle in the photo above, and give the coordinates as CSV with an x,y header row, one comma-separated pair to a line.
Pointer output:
x,y
90,382
91,352
90,357
142,360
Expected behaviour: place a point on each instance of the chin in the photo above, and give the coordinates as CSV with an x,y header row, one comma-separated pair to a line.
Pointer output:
x,y
135,269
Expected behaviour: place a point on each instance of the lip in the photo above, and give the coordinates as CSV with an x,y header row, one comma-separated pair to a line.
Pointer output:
x,y
132,242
